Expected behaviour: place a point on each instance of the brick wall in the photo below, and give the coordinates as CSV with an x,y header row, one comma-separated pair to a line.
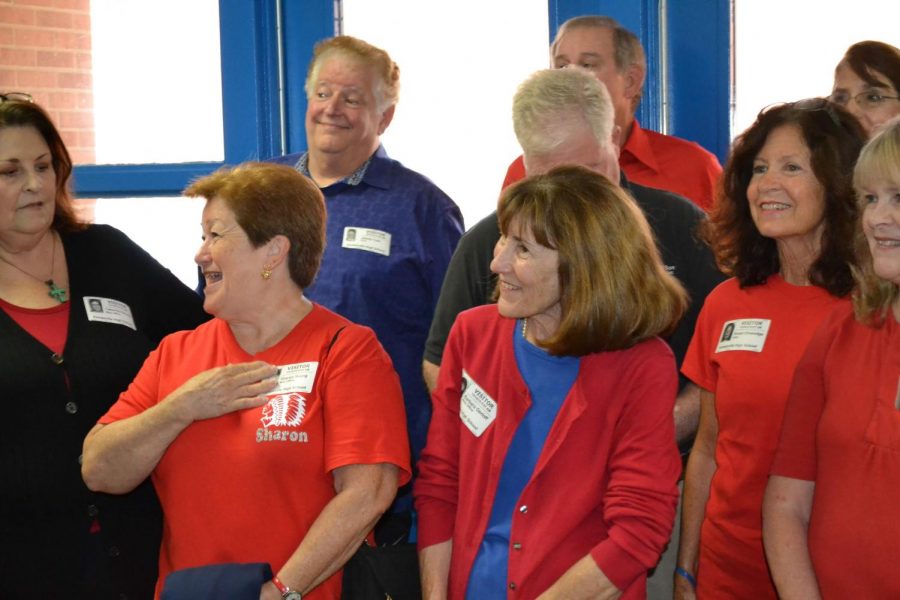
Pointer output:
x,y
45,50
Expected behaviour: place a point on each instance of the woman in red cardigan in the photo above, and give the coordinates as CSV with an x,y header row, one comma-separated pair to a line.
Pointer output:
x,y
550,468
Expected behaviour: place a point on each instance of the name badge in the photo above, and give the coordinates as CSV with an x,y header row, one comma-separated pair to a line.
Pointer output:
x,y
477,410
370,240
298,377
107,310
744,334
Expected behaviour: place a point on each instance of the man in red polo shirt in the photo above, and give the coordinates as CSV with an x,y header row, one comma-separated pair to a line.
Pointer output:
x,y
652,159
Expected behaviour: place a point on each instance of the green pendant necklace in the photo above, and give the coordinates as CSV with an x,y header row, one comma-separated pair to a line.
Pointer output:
x,y
55,292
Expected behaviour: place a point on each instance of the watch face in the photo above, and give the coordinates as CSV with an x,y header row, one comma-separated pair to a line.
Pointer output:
x,y
291,595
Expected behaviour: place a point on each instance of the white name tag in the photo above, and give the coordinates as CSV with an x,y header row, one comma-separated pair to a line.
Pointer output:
x,y
477,410
370,240
107,310
298,377
744,334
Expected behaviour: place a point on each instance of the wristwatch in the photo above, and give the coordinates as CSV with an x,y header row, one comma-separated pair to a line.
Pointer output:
x,y
286,592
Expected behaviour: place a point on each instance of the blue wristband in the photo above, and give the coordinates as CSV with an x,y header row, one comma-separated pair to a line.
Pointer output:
x,y
686,575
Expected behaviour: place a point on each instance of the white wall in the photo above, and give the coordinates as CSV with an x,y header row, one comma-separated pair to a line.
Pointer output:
x,y
787,50
460,63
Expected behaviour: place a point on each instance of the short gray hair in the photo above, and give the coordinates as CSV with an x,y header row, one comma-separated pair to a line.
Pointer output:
x,y
552,102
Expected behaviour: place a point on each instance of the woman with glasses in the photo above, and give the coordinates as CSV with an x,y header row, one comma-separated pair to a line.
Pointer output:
x,y
867,83
782,229
81,307
830,514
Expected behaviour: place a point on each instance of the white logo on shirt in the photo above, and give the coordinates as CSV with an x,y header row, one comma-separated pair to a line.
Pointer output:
x,y
284,410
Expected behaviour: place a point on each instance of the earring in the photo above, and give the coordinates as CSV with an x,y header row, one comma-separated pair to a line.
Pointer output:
x,y
266,272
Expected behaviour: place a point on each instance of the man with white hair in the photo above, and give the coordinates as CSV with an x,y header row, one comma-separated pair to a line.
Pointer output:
x,y
615,56
566,117
390,231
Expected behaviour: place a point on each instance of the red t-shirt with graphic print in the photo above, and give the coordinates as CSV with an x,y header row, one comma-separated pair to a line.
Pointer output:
x,y
247,486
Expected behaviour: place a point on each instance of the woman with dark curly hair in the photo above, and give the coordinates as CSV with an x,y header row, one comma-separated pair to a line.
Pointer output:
x,y
783,230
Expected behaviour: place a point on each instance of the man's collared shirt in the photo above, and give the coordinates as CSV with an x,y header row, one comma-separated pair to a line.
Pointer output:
x,y
659,161
389,237
355,178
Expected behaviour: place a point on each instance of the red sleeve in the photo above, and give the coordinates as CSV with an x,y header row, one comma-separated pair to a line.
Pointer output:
x,y
644,467
796,453
698,365
514,173
712,171
365,421
141,394
437,486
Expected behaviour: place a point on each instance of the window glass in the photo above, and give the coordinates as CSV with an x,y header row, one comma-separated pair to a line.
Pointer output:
x,y
787,50
167,228
125,81
459,67
157,81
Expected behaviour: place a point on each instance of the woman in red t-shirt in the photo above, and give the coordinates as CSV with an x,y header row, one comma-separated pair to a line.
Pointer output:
x,y
781,229
830,514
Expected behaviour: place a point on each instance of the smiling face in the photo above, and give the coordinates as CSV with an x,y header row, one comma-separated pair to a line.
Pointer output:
x,y
528,280
342,115
787,202
231,266
27,182
881,225
848,85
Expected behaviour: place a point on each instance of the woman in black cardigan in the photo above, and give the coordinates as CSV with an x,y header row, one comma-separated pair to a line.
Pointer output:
x,y
81,306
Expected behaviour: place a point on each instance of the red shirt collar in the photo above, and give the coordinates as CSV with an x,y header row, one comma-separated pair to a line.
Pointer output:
x,y
638,147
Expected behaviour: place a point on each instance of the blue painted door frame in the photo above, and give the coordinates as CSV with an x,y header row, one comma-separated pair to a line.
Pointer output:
x,y
698,61
699,69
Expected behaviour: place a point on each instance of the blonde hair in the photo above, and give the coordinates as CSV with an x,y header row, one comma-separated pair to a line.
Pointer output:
x,y
552,102
614,288
385,70
878,163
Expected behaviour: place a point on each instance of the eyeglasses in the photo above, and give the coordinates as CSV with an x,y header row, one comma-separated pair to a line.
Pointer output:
x,y
16,97
816,104
865,100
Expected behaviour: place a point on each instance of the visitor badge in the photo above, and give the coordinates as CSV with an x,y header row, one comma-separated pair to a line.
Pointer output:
x,y
297,377
744,334
477,409
370,240
107,310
